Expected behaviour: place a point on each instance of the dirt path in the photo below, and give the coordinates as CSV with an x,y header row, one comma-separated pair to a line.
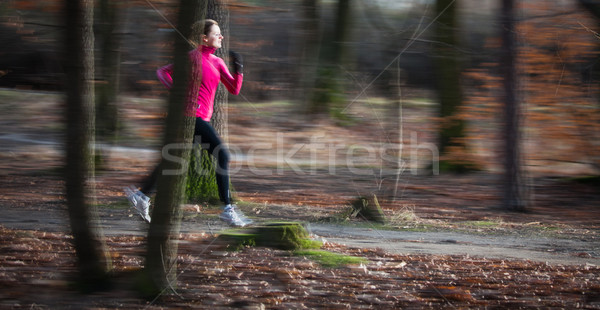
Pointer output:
x,y
541,249
553,250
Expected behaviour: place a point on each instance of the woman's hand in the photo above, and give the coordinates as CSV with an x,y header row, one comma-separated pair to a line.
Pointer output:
x,y
236,62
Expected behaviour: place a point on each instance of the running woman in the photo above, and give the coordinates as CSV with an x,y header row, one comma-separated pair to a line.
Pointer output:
x,y
211,70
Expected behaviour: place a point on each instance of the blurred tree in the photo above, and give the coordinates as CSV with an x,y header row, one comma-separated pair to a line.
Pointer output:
x,y
108,75
107,87
161,257
201,183
92,257
308,50
327,96
451,146
593,6
515,188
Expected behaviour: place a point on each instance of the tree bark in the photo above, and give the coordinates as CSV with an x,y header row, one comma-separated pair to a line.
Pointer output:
x,y
201,183
328,94
593,6
217,11
107,112
308,51
342,31
107,89
161,257
515,191
92,258
448,71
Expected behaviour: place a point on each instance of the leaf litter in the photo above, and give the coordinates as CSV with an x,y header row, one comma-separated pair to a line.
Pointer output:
x,y
37,268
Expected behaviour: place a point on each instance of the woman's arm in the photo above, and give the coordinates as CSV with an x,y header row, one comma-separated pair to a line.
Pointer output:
x,y
165,75
233,83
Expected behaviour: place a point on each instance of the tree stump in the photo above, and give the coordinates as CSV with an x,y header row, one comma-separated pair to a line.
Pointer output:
x,y
368,208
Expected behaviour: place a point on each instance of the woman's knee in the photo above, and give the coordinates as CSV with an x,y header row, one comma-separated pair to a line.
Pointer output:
x,y
222,155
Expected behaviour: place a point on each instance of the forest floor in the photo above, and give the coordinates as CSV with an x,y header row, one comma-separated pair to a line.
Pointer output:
x,y
447,243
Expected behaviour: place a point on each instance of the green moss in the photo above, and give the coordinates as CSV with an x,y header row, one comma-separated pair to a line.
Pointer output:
x,y
310,244
279,235
236,240
282,235
330,259
201,183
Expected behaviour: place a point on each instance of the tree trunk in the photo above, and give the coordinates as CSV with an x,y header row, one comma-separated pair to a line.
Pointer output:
x,y
515,191
92,257
201,183
108,76
107,115
328,94
308,51
448,71
593,6
161,259
217,11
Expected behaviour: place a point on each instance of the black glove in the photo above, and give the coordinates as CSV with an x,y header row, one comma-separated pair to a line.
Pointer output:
x,y
236,62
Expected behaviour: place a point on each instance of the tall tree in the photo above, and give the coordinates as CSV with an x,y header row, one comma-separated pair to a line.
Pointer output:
x,y
515,190
308,49
107,77
327,95
593,6
161,263
201,182
217,11
108,73
92,257
448,72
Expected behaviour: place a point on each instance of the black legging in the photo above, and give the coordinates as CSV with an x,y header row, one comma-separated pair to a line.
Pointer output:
x,y
210,141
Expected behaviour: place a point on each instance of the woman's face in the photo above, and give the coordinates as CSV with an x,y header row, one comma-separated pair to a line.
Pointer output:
x,y
214,37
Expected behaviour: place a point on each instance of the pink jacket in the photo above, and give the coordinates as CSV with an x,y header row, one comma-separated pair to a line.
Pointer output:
x,y
213,71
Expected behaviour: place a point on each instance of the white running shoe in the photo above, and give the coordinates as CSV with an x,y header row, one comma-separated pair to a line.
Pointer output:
x,y
240,214
131,196
139,201
231,217
143,206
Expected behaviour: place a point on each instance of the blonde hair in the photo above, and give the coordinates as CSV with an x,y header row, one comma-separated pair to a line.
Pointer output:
x,y
200,28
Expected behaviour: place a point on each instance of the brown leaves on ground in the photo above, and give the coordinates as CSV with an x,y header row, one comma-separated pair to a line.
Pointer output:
x,y
36,268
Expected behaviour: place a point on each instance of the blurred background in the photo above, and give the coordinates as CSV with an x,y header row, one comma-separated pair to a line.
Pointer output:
x,y
417,115
410,81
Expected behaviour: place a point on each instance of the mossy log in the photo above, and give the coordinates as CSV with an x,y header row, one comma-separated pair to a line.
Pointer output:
x,y
236,239
279,235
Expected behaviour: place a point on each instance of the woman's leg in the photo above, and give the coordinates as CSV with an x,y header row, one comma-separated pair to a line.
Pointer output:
x,y
149,183
209,140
